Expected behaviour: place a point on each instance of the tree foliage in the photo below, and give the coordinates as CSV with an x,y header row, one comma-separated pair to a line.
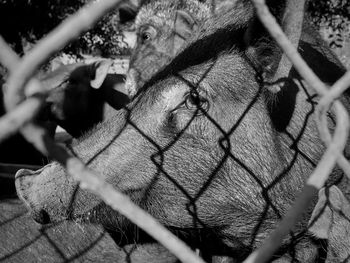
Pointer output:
x,y
334,15
23,21
29,20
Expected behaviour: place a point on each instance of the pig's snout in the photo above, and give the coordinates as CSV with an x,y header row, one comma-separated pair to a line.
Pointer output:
x,y
44,192
52,195
25,182
41,216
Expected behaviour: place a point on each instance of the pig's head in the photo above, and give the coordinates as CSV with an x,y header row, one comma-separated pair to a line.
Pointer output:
x,y
162,28
198,147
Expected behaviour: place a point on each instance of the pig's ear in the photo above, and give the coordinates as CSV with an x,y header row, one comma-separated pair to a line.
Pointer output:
x,y
290,16
185,25
261,49
128,11
101,70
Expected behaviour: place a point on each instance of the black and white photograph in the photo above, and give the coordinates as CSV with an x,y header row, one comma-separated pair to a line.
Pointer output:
x,y
167,131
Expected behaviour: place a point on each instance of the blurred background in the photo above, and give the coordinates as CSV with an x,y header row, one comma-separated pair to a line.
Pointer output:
x,y
23,22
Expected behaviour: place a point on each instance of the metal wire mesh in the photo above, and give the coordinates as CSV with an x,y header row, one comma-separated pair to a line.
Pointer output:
x,y
22,69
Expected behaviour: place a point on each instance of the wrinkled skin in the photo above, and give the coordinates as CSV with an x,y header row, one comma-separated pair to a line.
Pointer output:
x,y
204,145
78,95
65,241
331,220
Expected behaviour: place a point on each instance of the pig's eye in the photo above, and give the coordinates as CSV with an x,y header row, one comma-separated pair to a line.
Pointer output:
x,y
147,34
194,101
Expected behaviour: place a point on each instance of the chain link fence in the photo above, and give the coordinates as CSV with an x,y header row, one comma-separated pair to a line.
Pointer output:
x,y
22,109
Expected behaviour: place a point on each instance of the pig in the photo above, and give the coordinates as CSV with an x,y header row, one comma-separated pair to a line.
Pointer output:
x,y
157,51
162,28
330,220
203,145
82,95
66,241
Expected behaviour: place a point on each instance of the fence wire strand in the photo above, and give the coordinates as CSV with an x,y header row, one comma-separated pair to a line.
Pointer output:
x,y
336,145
